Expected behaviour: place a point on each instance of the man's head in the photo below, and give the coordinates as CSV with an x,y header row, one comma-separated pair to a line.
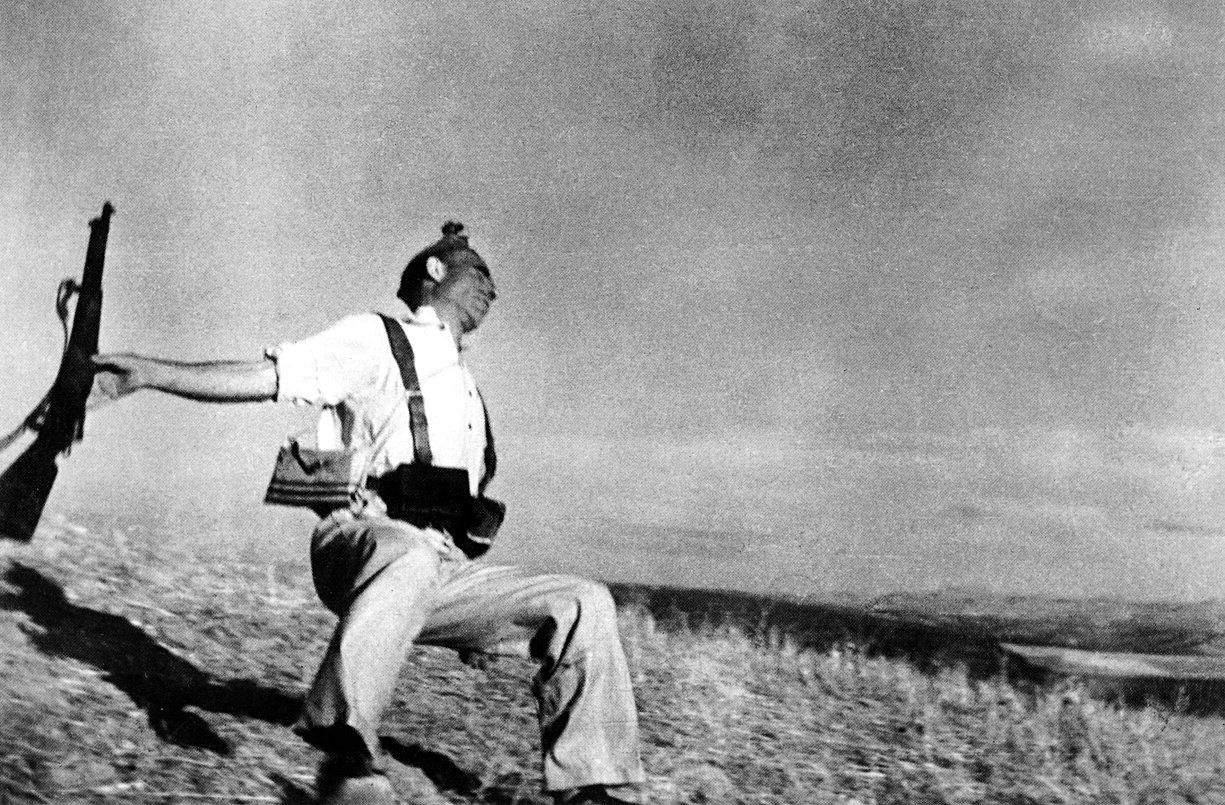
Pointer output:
x,y
449,275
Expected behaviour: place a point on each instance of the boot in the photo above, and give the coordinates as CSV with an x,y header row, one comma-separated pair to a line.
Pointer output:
x,y
351,780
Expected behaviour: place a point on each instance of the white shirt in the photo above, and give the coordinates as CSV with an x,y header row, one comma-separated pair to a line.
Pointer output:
x,y
349,369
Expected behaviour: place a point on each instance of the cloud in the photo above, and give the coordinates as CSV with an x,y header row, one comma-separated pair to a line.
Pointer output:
x,y
1183,529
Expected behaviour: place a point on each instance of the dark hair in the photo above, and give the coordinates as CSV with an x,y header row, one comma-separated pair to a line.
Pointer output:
x,y
452,249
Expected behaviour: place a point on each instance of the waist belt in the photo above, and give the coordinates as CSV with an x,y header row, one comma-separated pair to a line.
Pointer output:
x,y
436,497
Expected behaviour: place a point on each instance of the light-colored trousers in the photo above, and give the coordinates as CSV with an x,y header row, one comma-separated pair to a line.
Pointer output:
x,y
393,585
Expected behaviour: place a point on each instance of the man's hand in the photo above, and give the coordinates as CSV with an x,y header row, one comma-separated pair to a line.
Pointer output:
x,y
116,376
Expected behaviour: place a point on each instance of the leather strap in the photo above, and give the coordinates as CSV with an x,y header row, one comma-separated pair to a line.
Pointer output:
x,y
402,351
491,455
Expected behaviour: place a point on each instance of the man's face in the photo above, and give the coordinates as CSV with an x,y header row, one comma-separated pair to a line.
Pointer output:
x,y
468,291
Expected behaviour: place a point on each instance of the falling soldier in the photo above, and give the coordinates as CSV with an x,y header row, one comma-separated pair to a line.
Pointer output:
x,y
396,563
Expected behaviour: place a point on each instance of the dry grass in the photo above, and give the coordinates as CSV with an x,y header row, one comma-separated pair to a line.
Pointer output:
x,y
130,673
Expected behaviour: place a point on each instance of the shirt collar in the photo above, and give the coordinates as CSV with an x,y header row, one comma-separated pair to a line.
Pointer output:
x,y
425,315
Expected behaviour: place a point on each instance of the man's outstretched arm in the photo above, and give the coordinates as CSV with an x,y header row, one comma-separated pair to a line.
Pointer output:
x,y
211,381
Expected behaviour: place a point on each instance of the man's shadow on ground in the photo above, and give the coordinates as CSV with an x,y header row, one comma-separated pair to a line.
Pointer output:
x,y
159,681
165,685
448,776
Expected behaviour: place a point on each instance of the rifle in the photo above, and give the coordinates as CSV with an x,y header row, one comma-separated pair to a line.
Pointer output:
x,y
60,418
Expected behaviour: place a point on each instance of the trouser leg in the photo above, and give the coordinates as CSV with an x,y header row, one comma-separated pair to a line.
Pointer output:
x,y
381,577
588,720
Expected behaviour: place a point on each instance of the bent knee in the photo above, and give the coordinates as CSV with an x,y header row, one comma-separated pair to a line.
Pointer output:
x,y
593,607
594,596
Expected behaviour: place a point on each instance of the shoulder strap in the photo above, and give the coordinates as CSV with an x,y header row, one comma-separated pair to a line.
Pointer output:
x,y
491,455
402,351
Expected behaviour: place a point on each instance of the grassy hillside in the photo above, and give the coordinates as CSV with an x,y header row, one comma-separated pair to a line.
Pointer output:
x,y
133,673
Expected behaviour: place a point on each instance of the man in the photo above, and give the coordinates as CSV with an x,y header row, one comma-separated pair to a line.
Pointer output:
x,y
393,583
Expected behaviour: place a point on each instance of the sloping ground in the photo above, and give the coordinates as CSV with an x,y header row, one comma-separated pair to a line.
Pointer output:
x,y
134,674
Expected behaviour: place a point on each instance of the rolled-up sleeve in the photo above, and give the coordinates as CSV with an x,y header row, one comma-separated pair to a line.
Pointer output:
x,y
327,368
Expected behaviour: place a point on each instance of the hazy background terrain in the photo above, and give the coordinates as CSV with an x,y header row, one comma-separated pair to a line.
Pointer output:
x,y
804,296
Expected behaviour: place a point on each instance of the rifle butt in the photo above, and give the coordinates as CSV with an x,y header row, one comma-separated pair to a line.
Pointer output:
x,y
24,489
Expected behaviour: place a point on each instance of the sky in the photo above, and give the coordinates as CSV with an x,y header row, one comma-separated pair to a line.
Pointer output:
x,y
865,295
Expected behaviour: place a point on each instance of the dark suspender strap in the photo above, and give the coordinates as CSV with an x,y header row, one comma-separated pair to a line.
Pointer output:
x,y
491,455
402,351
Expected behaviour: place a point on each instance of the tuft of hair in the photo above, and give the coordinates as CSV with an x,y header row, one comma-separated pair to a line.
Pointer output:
x,y
454,242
